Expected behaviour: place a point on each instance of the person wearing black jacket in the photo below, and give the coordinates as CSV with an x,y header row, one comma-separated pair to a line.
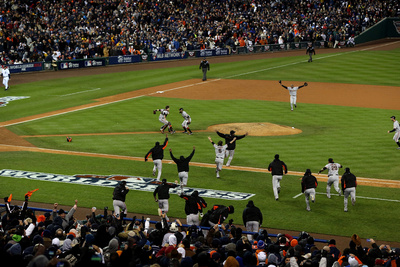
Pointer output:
x,y
308,185
157,154
349,184
252,218
204,66
277,167
119,196
183,167
163,195
230,150
218,214
193,205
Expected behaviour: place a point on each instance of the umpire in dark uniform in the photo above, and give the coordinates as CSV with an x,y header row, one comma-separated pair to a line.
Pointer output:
x,y
349,184
310,51
252,218
204,66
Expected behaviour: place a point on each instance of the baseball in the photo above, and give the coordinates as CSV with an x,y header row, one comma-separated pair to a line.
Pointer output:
x,y
292,127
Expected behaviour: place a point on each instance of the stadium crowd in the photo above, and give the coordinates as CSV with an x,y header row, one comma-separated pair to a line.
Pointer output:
x,y
60,239
32,30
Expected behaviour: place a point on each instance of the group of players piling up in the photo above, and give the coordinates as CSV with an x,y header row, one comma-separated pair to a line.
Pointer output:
x,y
166,124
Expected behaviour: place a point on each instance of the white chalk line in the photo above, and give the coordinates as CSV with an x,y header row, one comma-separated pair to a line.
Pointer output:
x,y
80,92
370,198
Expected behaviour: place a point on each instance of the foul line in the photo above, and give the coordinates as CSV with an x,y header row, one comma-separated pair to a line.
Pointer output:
x,y
371,198
80,92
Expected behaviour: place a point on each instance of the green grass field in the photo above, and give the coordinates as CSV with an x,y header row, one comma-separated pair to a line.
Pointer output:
x,y
354,137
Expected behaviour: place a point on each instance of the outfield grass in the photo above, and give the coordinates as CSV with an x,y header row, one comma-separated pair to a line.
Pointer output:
x,y
354,137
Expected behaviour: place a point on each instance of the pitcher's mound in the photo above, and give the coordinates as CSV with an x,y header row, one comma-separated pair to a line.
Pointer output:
x,y
255,129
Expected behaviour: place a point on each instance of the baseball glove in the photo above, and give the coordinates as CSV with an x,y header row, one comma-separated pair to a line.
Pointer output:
x,y
305,84
280,81
69,139
154,111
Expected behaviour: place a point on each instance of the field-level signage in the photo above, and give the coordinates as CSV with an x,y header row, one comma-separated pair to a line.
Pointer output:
x,y
133,182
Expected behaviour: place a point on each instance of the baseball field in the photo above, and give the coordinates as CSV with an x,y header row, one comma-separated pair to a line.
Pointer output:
x,y
343,113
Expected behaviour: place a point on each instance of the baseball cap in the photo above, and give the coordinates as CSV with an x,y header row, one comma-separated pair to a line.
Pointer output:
x,y
393,117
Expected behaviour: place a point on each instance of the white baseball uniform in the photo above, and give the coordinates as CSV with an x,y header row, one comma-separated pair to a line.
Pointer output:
x,y
219,157
163,118
187,119
293,95
5,72
333,177
396,126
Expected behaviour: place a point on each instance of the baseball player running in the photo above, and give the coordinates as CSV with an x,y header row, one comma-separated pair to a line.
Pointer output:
x,y
349,184
230,150
186,121
308,185
157,154
219,154
396,129
163,119
183,167
5,72
293,93
333,176
277,167
162,191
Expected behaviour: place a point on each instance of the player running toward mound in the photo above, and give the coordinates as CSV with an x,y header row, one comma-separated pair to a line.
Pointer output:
x,y
183,167
308,185
230,150
333,176
219,154
163,119
157,154
396,129
187,120
293,93
349,184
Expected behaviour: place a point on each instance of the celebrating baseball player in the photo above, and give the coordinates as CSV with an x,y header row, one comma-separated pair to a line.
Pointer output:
x,y
396,129
333,176
157,154
308,185
230,150
349,184
162,191
163,119
183,167
5,72
186,121
293,93
277,167
219,154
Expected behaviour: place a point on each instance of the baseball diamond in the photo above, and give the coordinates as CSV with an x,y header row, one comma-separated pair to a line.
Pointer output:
x,y
16,139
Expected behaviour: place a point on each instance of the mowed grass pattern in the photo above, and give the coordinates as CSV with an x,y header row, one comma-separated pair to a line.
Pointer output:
x,y
354,137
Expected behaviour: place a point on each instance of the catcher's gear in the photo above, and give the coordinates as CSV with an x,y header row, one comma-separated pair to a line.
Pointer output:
x,y
305,84
154,111
280,81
